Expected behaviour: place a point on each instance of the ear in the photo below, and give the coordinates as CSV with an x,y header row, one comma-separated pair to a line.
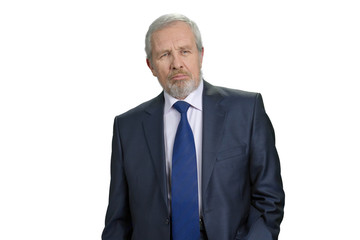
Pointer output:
x,y
150,66
201,56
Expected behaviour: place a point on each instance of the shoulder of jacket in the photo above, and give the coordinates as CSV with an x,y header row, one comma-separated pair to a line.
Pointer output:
x,y
140,109
232,94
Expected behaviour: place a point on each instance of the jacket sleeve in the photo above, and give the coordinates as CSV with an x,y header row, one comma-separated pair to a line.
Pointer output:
x,y
118,224
267,195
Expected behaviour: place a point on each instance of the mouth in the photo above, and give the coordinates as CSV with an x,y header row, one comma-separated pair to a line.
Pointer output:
x,y
179,76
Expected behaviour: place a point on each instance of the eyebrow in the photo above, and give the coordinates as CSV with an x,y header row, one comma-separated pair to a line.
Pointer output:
x,y
187,47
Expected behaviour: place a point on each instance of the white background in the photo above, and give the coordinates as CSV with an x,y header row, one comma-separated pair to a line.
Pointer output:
x,y
68,67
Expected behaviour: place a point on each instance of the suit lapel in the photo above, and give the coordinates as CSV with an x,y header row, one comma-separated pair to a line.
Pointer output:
x,y
153,125
213,124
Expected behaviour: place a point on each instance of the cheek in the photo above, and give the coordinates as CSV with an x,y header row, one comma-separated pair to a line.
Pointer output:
x,y
194,66
162,68
163,75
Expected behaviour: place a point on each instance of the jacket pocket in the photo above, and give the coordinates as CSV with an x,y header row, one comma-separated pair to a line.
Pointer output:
x,y
231,153
245,230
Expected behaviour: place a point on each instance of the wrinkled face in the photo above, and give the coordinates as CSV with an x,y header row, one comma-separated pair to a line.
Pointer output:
x,y
176,61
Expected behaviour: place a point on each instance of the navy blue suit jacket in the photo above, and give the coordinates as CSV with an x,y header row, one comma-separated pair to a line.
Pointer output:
x,y
242,189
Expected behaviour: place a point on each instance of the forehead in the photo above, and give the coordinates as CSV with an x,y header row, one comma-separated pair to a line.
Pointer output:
x,y
176,34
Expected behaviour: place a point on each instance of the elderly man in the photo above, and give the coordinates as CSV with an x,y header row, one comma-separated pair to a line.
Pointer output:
x,y
197,161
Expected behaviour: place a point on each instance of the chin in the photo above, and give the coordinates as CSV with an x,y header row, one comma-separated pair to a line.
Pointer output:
x,y
180,89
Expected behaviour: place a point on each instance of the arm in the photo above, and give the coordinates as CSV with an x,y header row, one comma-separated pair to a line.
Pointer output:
x,y
267,191
118,219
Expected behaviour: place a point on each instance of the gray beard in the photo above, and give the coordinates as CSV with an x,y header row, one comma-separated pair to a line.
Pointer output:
x,y
181,89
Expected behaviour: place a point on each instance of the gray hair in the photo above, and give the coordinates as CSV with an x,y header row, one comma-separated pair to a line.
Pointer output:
x,y
166,20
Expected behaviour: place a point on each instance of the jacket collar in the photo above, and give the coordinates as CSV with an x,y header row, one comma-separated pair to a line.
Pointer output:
x,y
214,115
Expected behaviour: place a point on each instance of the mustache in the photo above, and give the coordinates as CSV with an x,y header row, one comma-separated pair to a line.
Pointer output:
x,y
178,72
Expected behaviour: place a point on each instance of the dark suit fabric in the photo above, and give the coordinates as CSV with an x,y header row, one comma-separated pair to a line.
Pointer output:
x,y
241,189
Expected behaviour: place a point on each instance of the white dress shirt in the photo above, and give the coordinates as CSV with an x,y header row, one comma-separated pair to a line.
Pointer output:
x,y
171,122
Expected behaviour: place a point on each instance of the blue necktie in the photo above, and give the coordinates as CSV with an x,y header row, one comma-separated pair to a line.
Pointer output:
x,y
184,185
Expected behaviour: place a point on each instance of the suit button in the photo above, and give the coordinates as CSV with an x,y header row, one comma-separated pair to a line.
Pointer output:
x,y
167,221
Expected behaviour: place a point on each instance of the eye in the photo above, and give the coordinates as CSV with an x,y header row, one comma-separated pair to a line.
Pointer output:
x,y
165,54
185,52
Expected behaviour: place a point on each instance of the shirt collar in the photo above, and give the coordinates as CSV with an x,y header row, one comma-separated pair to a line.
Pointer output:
x,y
194,99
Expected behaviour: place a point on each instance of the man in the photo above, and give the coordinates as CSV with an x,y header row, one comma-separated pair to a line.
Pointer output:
x,y
197,161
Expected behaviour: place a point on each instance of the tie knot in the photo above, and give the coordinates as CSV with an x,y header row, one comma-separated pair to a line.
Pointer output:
x,y
181,106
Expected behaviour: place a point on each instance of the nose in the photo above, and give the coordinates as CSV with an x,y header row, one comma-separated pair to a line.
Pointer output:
x,y
177,62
